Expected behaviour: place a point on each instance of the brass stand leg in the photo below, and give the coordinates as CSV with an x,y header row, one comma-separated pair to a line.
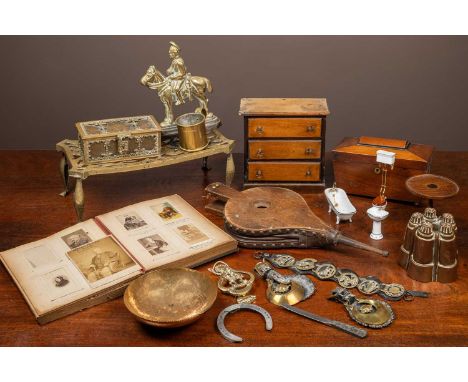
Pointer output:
x,y
78,198
230,168
64,175
205,164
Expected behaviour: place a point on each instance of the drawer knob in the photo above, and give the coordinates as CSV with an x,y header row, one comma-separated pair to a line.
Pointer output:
x,y
308,151
260,153
259,130
308,172
259,174
310,129
377,170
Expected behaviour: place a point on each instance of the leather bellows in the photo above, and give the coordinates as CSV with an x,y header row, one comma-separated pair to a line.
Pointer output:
x,y
274,218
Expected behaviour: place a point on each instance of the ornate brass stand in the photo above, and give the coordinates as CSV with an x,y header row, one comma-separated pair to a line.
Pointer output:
x,y
72,164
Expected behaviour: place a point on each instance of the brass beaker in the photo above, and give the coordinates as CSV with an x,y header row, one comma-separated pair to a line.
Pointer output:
x,y
192,132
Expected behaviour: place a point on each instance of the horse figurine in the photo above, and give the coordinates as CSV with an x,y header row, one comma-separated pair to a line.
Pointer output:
x,y
190,87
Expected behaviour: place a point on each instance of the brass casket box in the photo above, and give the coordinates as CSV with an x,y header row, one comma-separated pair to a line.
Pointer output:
x,y
115,139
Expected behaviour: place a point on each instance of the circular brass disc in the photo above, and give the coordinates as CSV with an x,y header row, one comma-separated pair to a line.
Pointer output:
x,y
170,297
305,264
293,296
394,290
325,271
368,286
348,279
371,313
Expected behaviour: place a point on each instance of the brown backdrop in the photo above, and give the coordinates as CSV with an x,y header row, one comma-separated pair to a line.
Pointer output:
x,y
403,87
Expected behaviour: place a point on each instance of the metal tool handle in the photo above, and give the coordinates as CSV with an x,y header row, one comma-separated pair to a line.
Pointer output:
x,y
350,329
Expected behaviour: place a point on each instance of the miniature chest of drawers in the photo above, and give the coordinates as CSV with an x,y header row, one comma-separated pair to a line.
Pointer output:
x,y
284,141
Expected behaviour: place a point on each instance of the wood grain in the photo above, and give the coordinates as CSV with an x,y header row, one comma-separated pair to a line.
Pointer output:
x,y
432,186
290,149
385,142
32,209
416,156
284,127
284,106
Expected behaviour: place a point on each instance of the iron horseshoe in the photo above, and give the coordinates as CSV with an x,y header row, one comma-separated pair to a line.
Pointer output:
x,y
234,308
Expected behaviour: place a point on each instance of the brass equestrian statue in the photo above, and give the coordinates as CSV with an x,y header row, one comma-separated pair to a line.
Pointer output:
x,y
178,86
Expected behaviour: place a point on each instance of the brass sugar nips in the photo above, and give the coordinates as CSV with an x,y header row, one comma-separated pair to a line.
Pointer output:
x,y
345,278
374,314
238,284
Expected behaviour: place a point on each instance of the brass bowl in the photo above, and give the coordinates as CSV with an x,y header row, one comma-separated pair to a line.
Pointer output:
x,y
169,298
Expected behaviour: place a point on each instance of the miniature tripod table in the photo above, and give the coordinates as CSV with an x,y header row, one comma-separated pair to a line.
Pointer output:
x,y
430,186
72,163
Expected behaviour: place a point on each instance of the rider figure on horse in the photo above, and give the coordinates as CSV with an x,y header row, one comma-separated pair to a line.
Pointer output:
x,y
176,72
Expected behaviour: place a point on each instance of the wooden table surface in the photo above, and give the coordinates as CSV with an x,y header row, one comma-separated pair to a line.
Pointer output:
x,y
31,209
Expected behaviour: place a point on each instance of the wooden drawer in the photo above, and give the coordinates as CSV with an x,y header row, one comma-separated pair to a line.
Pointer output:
x,y
284,171
284,127
290,149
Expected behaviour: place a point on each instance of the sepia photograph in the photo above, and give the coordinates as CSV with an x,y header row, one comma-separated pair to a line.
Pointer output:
x,y
100,259
131,221
154,244
166,211
76,239
191,234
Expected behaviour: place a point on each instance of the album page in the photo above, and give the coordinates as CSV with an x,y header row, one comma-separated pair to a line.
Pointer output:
x,y
77,262
167,231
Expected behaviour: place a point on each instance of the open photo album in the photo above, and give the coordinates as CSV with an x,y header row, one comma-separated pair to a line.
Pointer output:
x,y
93,261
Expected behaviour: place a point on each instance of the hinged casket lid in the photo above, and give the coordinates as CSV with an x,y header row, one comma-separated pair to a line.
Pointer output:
x,y
364,149
142,124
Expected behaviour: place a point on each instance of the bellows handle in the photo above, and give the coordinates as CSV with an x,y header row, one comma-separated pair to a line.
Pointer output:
x,y
221,191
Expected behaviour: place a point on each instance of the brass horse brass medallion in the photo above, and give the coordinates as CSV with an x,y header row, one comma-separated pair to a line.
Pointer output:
x,y
325,271
231,281
304,264
369,286
348,279
370,313
394,290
